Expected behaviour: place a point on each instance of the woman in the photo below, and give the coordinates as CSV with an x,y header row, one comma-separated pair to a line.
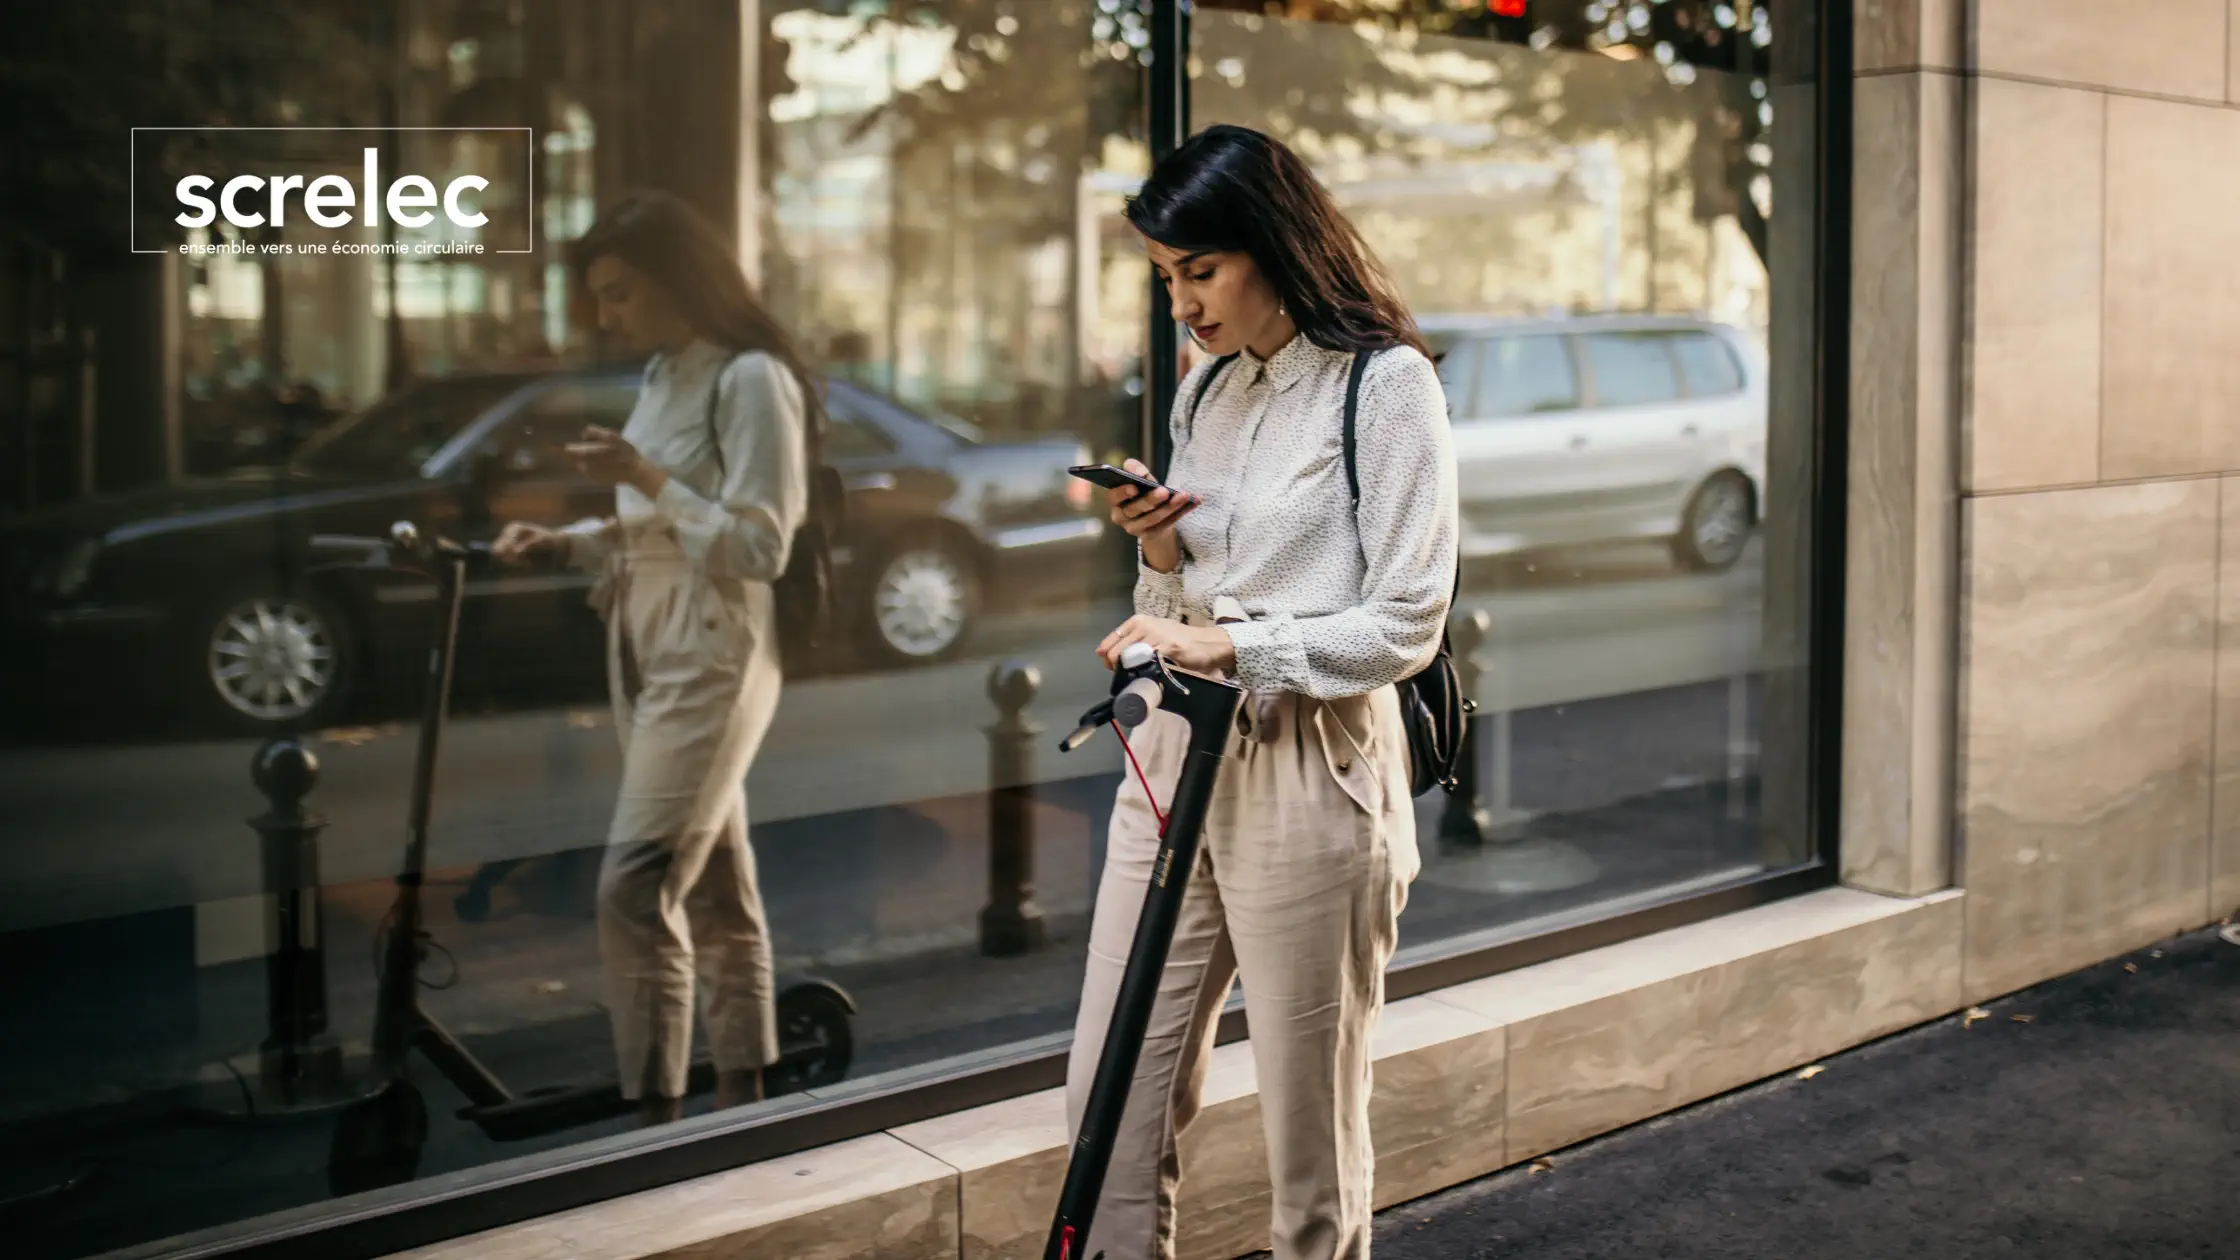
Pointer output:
x,y
710,485
1257,565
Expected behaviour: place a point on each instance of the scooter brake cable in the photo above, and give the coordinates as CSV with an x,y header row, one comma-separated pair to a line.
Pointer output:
x,y
1152,800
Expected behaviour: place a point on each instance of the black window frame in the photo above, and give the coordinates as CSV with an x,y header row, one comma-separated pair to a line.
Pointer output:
x,y
417,1214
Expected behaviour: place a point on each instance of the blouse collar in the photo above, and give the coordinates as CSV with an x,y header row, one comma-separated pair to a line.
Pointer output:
x,y
695,358
1286,366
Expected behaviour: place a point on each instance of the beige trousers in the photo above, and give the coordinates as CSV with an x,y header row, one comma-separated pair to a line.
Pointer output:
x,y
1303,868
695,682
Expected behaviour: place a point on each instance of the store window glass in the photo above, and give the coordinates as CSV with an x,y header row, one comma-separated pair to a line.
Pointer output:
x,y
1602,213
238,989
927,196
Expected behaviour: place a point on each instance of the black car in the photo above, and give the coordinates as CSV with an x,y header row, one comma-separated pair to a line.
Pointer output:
x,y
206,590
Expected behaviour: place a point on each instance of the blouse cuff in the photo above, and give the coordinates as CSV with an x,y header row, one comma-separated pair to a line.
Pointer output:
x,y
1157,594
588,542
1270,655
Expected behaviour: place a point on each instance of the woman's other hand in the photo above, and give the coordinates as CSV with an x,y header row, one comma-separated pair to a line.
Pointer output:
x,y
1199,649
1150,516
523,544
608,458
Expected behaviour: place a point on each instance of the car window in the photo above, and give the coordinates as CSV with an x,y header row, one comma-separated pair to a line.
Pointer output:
x,y
1522,376
399,433
605,403
886,416
846,437
528,444
1457,361
848,432
1631,369
1707,364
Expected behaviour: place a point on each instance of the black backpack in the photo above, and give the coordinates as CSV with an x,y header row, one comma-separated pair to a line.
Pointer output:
x,y
1433,709
803,593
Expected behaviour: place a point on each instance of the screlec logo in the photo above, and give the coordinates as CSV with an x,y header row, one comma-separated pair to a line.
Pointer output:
x,y
337,190
328,200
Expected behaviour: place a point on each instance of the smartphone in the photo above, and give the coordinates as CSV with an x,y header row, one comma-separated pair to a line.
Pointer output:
x,y
1112,478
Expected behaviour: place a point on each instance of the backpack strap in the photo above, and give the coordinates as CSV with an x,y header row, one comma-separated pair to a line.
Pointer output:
x,y
1353,470
715,438
1196,400
1353,408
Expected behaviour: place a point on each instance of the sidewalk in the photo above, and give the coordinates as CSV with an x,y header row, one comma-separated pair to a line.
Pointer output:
x,y
2095,1117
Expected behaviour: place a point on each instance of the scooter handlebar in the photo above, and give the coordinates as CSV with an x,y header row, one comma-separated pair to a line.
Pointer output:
x,y
405,542
1145,682
347,542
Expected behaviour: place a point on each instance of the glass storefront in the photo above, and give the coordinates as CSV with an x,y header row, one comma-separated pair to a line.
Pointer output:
x,y
1579,207
1607,216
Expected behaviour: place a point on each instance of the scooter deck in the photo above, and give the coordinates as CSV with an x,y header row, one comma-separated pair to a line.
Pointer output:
x,y
556,1108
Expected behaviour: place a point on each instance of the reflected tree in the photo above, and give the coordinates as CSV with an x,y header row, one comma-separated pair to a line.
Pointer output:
x,y
86,331
1715,58
78,77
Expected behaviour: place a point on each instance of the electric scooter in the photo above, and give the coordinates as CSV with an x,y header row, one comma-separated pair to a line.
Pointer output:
x,y
1143,682
378,1138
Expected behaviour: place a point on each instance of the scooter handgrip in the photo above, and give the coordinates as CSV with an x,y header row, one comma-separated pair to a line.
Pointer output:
x,y
1135,702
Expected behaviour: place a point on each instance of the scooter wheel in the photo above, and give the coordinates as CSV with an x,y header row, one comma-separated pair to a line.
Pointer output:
x,y
815,1043
377,1141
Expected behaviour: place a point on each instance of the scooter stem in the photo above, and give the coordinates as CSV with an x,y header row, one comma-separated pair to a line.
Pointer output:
x,y
397,1014
435,703
1210,707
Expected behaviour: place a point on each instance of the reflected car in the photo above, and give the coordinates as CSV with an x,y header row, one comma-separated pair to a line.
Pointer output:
x,y
206,591
1605,428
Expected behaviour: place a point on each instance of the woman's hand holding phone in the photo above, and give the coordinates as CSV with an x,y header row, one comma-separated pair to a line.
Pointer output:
x,y
1150,516
608,458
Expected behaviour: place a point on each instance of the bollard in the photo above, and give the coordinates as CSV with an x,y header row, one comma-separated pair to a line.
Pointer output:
x,y
299,1067
1011,924
1465,819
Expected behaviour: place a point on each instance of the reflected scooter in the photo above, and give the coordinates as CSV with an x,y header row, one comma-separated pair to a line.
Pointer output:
x,y
378,1138
1143,682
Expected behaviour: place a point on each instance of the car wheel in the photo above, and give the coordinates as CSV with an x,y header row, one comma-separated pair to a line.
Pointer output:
x,y
266,662
1716,525
921,604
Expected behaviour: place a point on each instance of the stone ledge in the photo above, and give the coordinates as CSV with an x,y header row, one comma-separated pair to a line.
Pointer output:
x,y
1469,1079
870,1197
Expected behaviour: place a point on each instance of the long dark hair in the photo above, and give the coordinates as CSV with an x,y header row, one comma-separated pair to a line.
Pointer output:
x,y
1236,190
679,250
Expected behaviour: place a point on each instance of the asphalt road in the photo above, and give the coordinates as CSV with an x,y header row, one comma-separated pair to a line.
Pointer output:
x,y
2095,1117
97,831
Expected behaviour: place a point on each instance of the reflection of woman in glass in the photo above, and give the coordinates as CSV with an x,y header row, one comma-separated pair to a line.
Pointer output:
x,y
710,485
1260,564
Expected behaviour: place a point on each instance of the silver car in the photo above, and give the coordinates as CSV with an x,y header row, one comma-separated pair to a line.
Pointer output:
x,y
1604,428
